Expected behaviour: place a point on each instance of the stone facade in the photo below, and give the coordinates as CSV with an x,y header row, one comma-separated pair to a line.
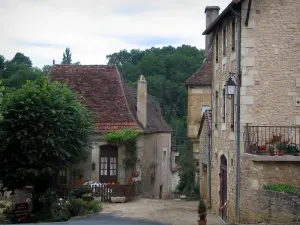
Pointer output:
x,y
270,88
199,99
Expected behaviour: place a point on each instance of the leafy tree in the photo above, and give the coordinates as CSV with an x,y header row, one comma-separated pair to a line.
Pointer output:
x,y
44,128
67,57
20,58
46,69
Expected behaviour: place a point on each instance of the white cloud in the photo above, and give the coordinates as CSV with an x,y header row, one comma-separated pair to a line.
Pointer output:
x,y
92,29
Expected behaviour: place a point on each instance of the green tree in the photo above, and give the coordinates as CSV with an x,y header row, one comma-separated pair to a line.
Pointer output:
x,y
21,59
67,57
46,69
44,128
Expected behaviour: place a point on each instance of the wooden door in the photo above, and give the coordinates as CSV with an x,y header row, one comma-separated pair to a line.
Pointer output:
x,y
108,164
223,188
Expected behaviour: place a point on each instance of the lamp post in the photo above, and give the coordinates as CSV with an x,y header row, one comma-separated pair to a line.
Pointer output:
x,y
233,87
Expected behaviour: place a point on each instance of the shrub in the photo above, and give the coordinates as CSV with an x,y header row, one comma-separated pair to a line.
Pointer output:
x,y
60,211
78,207
81,190
2,205
285,188
95,206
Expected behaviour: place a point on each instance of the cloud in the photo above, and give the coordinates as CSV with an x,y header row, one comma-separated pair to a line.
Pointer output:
x,y
93,29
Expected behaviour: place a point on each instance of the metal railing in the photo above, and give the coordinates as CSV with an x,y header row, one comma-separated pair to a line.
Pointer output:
x,y
264,139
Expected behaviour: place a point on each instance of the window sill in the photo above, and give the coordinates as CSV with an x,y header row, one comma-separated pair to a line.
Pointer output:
x,y
268,158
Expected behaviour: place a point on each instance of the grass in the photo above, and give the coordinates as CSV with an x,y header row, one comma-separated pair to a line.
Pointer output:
x,y
283,188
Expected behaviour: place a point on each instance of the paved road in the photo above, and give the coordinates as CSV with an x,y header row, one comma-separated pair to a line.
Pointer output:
x,y
105,220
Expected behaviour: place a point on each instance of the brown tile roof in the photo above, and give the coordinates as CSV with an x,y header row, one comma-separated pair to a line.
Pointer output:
x,y
155,120
112,102
102,89
203,76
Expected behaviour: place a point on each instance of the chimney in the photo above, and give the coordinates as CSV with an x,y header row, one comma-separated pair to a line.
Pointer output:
x,y
212,12
53,62
142,101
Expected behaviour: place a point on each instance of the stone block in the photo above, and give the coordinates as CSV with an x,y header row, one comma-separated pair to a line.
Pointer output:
x,y
248,61
118,199
247,81
297,120
297,82
248,42
247,100
247,119
243,91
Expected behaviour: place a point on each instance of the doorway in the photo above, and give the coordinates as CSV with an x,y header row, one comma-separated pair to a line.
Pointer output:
x,y
108,164
223,188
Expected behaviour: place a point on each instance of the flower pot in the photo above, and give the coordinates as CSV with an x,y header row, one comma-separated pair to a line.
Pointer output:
x,y
272,153
280,152
201,222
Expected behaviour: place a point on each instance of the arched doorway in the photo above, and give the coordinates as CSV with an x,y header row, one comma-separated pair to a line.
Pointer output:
x,y
223,187
108,164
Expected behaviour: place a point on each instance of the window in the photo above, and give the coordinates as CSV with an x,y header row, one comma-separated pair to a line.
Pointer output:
x,y
113,166
165,156
204,108
217,47
232,113
104,166
224,41
216,109
224,107
233,34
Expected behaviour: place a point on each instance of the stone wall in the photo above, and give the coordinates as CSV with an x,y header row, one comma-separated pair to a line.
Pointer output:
x,y
270,82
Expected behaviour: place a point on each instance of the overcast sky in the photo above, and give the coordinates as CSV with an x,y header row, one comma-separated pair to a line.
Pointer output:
x,y
42,29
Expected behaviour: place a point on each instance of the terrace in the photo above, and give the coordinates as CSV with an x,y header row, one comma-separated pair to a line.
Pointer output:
x,y
272,143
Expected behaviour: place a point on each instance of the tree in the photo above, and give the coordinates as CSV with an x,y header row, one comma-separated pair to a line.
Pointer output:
x,y
46,69
67,57
20,58
44,129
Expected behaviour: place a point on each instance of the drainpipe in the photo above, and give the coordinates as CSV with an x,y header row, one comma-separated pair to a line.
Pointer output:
x,y
209,168
238,122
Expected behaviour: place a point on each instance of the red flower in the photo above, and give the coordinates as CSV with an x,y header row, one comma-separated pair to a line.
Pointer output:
x,y
130,180
262,148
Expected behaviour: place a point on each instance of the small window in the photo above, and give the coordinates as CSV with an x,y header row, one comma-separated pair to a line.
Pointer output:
x,y
224,107
93,166
233,34
217,47
232,105
165,155
224,40
204,108
216,109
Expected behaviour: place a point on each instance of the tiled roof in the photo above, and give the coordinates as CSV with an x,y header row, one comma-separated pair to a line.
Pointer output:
x,y
203,76
112,102
102,89
155,120
207,115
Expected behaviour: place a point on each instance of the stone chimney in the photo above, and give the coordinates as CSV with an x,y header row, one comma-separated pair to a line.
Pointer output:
x,y
142,101
212,12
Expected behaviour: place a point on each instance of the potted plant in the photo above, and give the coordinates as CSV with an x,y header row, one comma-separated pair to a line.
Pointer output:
x,y
202,212
262,149
271,150
281,148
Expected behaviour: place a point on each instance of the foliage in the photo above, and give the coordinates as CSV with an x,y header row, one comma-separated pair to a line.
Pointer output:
x,y
271,148
187,184
44,128
122,136
79,207
80,191
166,69
67,58
60,211
285,188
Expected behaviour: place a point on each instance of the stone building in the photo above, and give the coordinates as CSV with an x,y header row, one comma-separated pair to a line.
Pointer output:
x,y
199,88
116,106
270,103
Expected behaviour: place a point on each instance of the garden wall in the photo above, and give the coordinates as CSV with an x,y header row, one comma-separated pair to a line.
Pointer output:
x,y
275,207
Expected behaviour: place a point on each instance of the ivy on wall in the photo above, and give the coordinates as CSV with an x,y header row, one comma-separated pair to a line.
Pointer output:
x,y
127,137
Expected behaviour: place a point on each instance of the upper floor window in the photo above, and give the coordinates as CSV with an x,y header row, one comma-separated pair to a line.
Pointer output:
x,y
204,108
224,106
216,109
224,40
233,34
232,113
217,47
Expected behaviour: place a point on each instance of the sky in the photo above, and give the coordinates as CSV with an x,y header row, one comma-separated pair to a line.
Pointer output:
x,y
92,29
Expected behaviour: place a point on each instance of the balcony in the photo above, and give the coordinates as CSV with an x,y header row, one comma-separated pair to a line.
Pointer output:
x,y
272,143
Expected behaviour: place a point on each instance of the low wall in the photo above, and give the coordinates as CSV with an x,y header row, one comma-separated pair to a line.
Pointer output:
x,y
275,207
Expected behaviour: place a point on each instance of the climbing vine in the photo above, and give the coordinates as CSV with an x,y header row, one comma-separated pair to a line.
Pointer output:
x,y
128,137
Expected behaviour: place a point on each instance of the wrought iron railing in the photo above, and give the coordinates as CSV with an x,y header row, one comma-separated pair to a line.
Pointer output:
x,y
273,140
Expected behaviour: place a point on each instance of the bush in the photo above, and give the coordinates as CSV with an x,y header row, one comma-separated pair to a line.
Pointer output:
x,y
284,188
81,190
95,206
78,207
60,211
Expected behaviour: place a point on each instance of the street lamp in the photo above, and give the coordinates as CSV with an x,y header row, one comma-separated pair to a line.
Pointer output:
x,y
230,87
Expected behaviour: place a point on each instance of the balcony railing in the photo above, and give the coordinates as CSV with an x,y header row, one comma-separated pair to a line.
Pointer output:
x,y
272,140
